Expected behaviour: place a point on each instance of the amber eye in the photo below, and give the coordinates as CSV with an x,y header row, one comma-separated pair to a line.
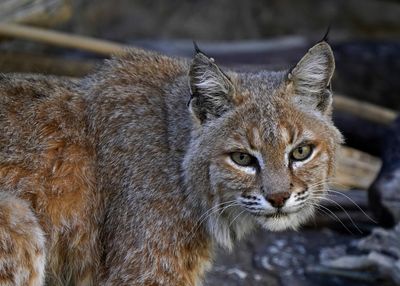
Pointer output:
x,y
243,159
301,153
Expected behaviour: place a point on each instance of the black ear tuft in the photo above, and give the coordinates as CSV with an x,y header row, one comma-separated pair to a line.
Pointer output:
x,y
196,48
326,36
198,51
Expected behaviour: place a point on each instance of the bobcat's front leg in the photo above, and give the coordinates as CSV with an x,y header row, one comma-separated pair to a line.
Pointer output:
x,y
22,244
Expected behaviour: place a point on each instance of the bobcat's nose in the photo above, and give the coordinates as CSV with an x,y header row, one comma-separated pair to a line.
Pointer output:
x,y
277,200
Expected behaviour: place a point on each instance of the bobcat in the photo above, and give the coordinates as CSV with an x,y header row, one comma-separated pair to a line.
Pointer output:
x,y
132,175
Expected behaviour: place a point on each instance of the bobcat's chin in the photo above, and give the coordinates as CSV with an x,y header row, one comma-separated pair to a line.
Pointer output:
x,y
284,221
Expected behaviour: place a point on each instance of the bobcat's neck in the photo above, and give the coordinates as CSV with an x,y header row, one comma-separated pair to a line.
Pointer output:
x,y
142,133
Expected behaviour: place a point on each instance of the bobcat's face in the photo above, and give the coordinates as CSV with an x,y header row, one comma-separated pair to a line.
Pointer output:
x,y
264,143
271,164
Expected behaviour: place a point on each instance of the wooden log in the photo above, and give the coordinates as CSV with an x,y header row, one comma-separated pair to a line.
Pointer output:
x,y
36,12
62,39
364,110
355,169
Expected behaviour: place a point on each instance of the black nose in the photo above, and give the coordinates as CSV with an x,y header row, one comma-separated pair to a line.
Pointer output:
x,y
277,200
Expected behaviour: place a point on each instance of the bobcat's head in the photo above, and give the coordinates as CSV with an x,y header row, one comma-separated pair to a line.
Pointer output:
x,y
263,145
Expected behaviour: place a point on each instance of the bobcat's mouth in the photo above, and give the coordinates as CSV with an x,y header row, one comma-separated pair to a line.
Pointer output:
x,y
277,214
283,220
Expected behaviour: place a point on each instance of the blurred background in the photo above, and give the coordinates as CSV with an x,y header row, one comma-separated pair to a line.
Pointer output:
x,y
345,244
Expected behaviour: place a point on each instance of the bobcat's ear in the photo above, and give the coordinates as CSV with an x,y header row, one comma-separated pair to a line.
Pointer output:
x,y
311,78
211,89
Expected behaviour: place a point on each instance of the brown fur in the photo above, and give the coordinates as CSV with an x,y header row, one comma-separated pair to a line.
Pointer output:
x,y
112,180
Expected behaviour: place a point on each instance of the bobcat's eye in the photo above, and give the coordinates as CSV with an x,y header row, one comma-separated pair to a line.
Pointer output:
x,y
243,159
301,153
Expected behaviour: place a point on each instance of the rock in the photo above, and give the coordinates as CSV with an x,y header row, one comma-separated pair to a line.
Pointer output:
x,y
378,258
384,193
282,258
